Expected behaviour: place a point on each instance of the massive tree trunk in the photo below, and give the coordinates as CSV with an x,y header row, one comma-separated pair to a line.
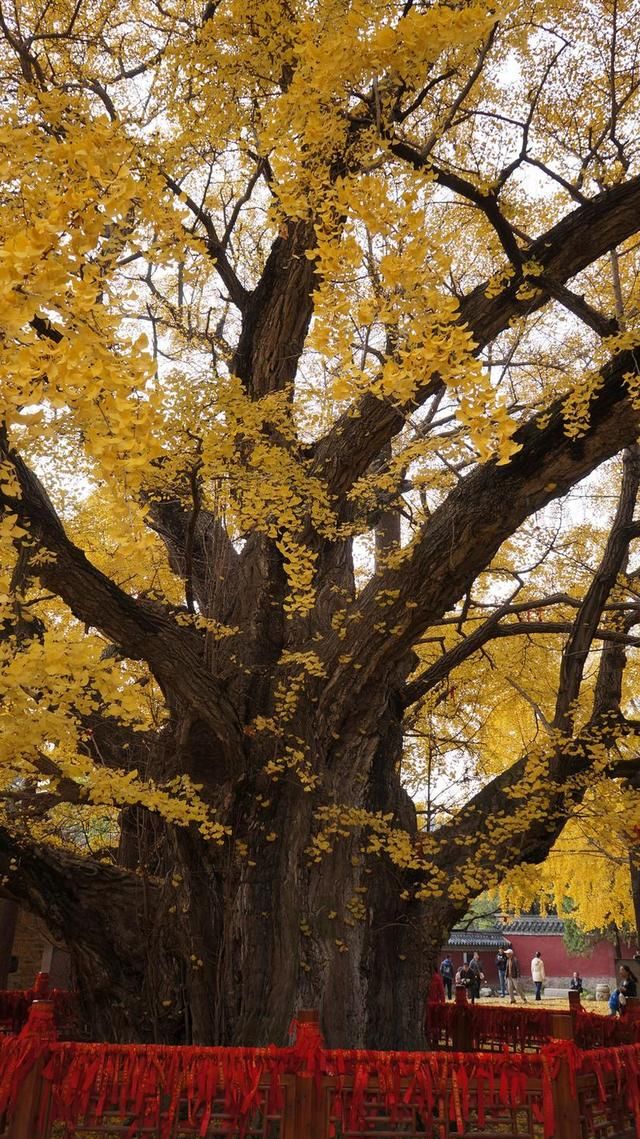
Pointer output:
x,y
238,942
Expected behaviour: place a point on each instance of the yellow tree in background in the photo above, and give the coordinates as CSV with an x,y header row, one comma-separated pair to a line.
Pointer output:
x,y
315,319
502,703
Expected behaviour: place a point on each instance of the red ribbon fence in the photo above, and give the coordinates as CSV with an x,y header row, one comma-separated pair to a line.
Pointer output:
x,y
306,1091
15,1005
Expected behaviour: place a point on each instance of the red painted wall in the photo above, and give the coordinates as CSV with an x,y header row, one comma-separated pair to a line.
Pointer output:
x,y
597,964
558,962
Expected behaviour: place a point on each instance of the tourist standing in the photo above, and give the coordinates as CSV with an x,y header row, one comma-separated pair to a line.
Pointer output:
x,y
576,982
628,987
501,966
477,976
514,984
537,974
447,972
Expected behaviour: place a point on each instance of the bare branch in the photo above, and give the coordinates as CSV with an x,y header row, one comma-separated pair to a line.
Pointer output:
x,y
590,612
429,679
487,203
603,325
239,295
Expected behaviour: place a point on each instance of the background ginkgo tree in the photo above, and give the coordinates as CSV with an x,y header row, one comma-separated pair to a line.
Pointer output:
x,y
318,472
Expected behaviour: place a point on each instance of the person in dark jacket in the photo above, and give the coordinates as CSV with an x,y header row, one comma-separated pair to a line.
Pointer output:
x,y
447,972
576,983
477,976
514,983
628,987
463,976
501,966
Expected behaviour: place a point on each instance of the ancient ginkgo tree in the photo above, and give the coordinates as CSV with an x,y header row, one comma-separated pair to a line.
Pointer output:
x,y
312,315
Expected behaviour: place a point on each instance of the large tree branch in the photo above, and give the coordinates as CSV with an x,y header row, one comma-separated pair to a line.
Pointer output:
x,y
90,905
173,652
580,238
590,613
200,551
465,532
602,325
277,314
491,630
541,789
477,844
537,794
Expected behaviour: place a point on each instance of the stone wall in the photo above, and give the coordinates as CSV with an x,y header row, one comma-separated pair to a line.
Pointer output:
x,y
29,945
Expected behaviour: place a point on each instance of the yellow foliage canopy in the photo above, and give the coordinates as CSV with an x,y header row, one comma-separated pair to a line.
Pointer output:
x,y
311,317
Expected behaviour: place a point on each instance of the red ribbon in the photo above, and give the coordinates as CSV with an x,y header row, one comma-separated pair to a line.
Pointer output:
x,y
519,1028
15,1005
152,1085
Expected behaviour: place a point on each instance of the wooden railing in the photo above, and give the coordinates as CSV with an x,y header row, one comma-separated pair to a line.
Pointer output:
x,y
15,1005
461,1026
52,1089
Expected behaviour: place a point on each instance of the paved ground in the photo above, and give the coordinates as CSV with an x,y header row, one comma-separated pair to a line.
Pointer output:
x,y
557,1003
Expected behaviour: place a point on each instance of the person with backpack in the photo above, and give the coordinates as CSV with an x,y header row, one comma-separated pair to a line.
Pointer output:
x,y
628,987
464,977
447,972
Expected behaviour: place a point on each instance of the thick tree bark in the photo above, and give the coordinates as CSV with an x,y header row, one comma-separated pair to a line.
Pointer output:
x,y
634,871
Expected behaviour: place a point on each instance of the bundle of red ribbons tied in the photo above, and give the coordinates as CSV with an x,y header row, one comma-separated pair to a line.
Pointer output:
x,y
518,1028
14,1007
160,1086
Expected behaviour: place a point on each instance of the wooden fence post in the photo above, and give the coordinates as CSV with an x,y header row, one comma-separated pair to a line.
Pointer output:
x,y
461,1029
41,986
575,1004
308,1116
632,1010
575,1007
565,1101
30,1106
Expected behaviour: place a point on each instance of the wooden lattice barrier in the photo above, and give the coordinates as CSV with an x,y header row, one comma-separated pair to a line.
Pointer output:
x,y
52,1089
15,1005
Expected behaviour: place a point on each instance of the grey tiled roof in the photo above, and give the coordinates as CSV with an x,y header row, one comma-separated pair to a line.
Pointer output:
x,y
535,924
477,939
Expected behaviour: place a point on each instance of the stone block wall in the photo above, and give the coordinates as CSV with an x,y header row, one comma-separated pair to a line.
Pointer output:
x,y
29,945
